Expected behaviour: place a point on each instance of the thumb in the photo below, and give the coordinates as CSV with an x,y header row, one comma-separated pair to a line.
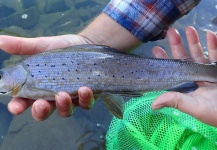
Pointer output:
x,y
29,46
183,102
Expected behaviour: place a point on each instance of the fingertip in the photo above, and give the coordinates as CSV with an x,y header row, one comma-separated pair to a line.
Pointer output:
x,y
62,96
192,35
160,102
210,33
156,106
211,40
41,109
15,108
86,99
173,36
189,29
18,105
171,30
158,52
168,99
64,105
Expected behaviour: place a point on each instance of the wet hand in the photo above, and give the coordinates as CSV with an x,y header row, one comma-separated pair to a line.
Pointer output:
x,y
202,103
41,109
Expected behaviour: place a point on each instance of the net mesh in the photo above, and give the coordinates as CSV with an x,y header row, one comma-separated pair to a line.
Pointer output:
x,y
167,128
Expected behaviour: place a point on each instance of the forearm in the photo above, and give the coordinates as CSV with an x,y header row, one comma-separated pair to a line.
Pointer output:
x,y
124,23
105,31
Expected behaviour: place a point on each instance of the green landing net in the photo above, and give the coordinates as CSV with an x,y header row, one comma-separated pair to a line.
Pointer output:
x,y
164,129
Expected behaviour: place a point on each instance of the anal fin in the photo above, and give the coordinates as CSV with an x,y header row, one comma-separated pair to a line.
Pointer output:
x,y
114,103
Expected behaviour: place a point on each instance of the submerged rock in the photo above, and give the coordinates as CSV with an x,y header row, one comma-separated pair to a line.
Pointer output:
x,y
55,6
85,4
15,31
14,4
68,22
28,3
26,19
5,11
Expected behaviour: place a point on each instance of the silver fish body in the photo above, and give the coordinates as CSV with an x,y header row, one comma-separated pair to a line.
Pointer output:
x,y
100,68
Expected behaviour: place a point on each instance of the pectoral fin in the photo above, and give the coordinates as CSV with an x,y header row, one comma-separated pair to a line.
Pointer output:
x,y
185,87
114,103
36,93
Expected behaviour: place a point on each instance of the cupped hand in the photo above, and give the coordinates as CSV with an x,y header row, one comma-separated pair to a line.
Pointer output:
x,y
202,103
41,109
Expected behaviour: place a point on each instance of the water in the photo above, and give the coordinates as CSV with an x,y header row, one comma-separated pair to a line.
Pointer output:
x,y
85,129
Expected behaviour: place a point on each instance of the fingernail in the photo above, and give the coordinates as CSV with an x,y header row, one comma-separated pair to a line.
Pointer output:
x,y
84,94
158,55
91,103
157,106
63,102
40,109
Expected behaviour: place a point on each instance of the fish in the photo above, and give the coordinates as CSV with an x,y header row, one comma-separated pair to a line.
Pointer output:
x,y
111,75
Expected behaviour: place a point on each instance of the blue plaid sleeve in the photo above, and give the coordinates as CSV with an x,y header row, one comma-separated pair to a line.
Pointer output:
x,y
148,20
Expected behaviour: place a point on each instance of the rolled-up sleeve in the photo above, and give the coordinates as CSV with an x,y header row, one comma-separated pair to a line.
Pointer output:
x,y
148,20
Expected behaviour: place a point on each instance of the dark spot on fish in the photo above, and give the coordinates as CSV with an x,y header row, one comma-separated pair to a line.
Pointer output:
x,y
78,78
63,64
53,78
67,56
138,78
141,71
52,65
32,75
132,72
58,73
103,61
37,65
39,71
68,70
113,76
98,75
136,71
94,64
122,76
63,78
78,64
88,77
72,62
45,76
76,70
45,64
126,64
27,65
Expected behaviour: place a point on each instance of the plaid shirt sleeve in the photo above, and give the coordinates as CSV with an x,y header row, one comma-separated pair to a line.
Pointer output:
x,y
148,20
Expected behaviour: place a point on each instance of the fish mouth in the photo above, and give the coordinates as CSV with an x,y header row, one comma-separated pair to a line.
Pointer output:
x,y
14,91
5,93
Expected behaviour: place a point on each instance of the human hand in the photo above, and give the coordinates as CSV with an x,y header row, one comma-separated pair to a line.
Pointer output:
x,y
41,109
202,103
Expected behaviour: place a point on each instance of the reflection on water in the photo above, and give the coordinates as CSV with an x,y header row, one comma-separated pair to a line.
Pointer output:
x,y
47,17
5,121
85,129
